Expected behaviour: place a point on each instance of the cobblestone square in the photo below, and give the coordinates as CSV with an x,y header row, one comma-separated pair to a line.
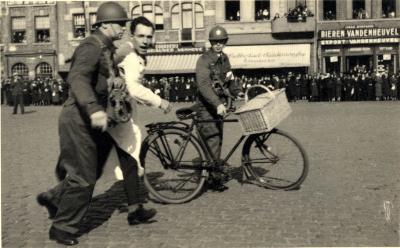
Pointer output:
x,y
350,197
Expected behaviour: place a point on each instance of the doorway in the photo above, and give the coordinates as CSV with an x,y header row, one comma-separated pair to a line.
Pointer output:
x,y
359,63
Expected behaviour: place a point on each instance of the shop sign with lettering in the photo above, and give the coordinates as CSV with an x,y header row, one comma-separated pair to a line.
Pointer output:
x,y
269,56
27,3
173,48
360,35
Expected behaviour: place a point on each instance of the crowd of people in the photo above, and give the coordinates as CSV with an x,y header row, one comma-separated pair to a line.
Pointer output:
x,y
353,86
37,92
299,14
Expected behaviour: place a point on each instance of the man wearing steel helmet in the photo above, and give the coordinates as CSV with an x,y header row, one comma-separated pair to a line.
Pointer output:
x,y
84,146
212,65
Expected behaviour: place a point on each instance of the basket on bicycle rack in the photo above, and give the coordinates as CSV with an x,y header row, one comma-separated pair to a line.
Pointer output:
x,y
263,112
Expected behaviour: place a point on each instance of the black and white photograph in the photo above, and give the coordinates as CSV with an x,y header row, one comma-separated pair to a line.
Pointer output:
x,y
200,123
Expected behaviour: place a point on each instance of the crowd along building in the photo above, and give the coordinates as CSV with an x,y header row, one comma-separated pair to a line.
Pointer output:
x,y
265,36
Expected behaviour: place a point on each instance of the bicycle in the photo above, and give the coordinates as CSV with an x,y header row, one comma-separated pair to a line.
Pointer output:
x,y
178,161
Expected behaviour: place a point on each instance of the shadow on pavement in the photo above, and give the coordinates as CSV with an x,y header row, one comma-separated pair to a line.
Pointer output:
x,y
29,112
103,206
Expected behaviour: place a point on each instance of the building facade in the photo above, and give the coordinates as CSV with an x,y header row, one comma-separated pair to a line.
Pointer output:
x,y
265,36
358,35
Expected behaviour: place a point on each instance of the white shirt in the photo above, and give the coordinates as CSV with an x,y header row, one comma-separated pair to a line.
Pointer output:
x,y
128,135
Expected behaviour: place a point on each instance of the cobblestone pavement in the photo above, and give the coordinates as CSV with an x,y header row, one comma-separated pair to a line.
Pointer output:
x,y
350,197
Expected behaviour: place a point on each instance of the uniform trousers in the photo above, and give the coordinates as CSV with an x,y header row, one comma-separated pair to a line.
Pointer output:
x,y
212,132
83,154
18,100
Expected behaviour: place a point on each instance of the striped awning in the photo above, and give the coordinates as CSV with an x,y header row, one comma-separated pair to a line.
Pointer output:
x,y
171,63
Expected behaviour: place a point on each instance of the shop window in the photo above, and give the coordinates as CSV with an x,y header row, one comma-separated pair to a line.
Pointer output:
x,y
199,16
21,69
152,12
329,8
42,29
388,8
79,26
18,29
92,20
44,70
232,10
262,10
359,11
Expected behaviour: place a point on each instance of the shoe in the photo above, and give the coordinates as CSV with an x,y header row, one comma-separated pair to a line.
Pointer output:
x,y
219,187
62,237
43,200
141,215
216,184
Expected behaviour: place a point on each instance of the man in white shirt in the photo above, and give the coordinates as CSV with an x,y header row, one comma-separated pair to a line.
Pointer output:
x,y
131,59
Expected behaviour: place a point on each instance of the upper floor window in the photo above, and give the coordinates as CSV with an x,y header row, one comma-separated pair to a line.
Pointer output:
x,y
18,29
152,12
42,29
232,10
359,11
21,69
44,70
79,26
388,8
92,20
329,9
262,10
183,18
199,16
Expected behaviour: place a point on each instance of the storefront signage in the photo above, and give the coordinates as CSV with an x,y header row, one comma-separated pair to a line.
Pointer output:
x,y
360,41
357,35
174,48
269,56
26,3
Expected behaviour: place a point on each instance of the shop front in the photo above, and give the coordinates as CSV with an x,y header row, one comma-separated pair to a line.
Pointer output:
x,y
359,48
270,59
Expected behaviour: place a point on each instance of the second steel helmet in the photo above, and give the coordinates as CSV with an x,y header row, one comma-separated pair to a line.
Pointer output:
x,y
110,12
218,33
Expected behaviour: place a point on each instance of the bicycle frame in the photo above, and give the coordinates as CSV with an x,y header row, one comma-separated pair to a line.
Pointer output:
x,y
210,155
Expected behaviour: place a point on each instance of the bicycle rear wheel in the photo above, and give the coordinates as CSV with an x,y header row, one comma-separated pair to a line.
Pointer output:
x,y
276,160
173,166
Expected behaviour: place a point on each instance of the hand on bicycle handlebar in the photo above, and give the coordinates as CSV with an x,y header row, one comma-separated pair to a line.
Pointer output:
x,y
221,110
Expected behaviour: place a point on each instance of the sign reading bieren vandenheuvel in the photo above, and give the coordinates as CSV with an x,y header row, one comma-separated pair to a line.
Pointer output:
x,y
269,56
367,35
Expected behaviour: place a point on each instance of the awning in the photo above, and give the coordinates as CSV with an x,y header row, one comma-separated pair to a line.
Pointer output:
x,y
172,63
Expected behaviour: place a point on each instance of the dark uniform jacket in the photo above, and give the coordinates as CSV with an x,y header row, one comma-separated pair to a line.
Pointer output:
x,y
17,86
88,75
208,96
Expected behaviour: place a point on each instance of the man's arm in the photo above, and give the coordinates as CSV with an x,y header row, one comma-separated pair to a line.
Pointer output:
x,y
84,65
203,83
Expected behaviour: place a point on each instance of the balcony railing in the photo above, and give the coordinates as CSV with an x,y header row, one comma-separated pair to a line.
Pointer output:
x,y
282,25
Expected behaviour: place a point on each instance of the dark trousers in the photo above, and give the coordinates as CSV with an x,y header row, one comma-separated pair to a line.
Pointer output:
x,y
84,152
18,100
212,132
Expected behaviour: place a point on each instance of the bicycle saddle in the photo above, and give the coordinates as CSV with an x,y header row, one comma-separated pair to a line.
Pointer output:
x,y
185,113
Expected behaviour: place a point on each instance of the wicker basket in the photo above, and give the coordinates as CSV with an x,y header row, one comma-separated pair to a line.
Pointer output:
x,y
264,112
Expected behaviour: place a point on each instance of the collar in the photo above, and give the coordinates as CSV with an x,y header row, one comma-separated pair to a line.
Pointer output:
x,y
106,40
214,56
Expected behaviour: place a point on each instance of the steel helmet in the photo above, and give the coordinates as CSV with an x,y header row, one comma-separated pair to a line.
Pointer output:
x,y
218,33
110,12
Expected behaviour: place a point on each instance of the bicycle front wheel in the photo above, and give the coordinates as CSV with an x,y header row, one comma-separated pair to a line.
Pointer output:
x,y
276,160
173,163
